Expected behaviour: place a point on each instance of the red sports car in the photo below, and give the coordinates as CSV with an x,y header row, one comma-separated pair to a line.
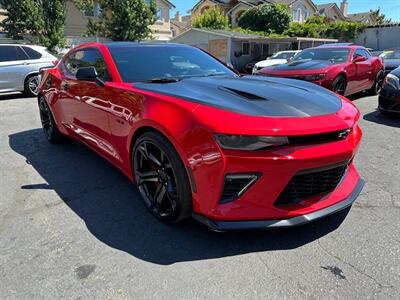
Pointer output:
x,y
343,69
198,139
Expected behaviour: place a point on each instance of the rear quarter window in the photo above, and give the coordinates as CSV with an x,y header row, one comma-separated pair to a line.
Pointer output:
x,y
33,54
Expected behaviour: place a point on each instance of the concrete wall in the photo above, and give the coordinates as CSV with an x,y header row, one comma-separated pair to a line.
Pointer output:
x,y
380,38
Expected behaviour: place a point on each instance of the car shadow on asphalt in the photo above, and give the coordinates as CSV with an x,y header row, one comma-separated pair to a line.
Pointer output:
x,y
111,207
11,96
392,120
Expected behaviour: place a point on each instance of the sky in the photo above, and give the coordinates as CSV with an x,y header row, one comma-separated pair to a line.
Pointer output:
x,y
391,8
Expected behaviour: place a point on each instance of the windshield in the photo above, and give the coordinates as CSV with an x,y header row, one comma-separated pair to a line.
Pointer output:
x,y
390,55
333,55
149,62
283,55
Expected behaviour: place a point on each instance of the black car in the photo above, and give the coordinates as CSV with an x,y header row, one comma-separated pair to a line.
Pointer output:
x,y
391,59
389,98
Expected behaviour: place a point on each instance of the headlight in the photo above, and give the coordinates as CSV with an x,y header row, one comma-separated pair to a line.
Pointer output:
x,y
314,77
392,82
248,142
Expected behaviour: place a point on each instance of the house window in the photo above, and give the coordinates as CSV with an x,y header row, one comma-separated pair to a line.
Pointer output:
x,y
245,48
93,12
160,14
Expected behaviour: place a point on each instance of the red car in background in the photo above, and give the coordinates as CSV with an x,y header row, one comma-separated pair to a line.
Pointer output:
x,y
344,69
198,139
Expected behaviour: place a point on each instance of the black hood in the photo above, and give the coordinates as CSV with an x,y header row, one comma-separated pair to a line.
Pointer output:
x,y
302,65
252,95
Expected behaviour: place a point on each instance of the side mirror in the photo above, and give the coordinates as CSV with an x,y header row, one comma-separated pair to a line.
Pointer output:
x,y
89,74
289,59
358,59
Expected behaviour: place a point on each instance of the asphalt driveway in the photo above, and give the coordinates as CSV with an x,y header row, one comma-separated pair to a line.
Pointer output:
x,y
73,226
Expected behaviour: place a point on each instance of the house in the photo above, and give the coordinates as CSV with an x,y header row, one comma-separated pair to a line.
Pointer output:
x,y
76,20
332,11
239,49
365,17
301,10
179,24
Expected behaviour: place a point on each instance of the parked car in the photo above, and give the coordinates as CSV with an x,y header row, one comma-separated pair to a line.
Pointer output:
x,y
20,65
248,68
391,59
343,69
235,152
389,98
278,58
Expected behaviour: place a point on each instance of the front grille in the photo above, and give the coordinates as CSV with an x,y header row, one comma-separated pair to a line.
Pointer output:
x,y
309,183
326,137
236,185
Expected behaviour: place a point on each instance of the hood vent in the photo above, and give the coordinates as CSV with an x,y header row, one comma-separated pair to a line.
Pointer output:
x,y
247,96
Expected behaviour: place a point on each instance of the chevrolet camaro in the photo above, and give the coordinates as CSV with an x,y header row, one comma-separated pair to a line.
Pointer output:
x,y
344,69
198,139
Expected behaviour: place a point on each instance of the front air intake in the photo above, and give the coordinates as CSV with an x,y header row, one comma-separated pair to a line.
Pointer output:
x,y
236,185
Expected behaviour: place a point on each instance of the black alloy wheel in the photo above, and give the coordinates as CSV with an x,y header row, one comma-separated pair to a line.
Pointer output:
x,y
48,124
161,178
376,88
339,85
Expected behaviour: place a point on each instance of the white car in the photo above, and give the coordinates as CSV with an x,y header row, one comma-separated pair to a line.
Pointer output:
x,y
278,58
20,65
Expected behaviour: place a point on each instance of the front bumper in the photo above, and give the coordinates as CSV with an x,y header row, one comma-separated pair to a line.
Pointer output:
x,y
389,101
282,223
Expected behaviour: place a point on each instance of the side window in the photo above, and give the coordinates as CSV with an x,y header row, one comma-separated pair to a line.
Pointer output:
x,y
87,58
359,52
368,55
33,54
11,53
72,63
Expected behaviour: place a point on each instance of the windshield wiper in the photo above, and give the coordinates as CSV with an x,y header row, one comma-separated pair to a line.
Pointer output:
x,y
162,80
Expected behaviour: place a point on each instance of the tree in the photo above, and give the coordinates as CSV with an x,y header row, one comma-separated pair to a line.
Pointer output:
x,y
42,19
266,17
122,20
379,17
213,18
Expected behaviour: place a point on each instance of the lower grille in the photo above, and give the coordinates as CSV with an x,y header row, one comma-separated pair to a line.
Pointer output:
x,y
309,183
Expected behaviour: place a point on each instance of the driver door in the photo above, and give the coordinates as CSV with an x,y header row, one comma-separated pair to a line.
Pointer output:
x,y
85,103
363,71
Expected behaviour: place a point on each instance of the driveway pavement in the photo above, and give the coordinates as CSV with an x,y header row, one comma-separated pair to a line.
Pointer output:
x,y
72,226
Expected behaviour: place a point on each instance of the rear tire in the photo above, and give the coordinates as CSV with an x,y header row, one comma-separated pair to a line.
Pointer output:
x,y
49,126
376,88
161,178
31,86
339,85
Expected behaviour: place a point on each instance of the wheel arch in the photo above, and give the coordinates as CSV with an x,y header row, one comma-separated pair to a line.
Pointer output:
x,y
153,127
139,131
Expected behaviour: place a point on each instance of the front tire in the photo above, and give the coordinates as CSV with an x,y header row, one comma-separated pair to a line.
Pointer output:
x,y
31,86
376,88
339,85
161,178
48,124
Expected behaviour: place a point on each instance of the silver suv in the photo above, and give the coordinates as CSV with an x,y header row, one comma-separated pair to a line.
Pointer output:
x,y
20,65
